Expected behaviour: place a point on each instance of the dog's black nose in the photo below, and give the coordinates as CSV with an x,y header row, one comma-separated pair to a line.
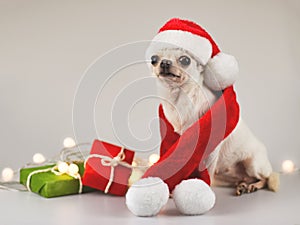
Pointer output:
x,y
165,64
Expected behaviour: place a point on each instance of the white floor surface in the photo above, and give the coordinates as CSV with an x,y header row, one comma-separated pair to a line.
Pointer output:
x,y
262,207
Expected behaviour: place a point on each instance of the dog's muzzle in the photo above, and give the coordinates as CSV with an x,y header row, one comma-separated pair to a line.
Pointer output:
x,y
165,66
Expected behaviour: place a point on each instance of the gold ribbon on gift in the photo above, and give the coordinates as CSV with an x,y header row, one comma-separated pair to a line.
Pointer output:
x,y
112,162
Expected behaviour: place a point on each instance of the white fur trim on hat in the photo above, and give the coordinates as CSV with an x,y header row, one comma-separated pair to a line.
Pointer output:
x,y
200,47
221,71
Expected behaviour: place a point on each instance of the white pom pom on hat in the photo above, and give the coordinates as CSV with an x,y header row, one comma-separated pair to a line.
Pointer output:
x,y
221,70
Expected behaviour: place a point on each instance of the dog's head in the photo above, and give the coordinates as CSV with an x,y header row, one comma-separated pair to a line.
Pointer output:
x,y
174,67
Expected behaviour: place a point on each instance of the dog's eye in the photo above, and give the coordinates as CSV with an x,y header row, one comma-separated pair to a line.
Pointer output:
x,y
154,59
184,60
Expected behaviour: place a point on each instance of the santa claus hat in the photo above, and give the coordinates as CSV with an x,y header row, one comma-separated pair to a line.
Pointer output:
x,y
221,69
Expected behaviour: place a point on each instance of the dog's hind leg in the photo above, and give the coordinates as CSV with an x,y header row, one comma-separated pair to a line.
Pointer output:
x,y
244,187
257,170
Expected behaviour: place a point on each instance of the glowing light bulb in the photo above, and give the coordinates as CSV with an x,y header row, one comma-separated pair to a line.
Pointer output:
x,y
63,167
7,174
135,176
153,158
69,142
134,164
73,169
38,158
288,166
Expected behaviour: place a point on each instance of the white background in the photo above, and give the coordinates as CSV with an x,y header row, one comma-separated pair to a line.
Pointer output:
x,y
45,47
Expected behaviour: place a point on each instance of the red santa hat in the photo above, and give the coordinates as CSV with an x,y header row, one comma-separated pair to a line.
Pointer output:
x,y
220,69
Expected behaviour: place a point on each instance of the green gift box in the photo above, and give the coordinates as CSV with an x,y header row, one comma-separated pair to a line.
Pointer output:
x,y
48,184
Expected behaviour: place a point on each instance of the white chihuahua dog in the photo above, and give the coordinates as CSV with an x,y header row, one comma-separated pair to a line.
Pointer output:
x,y
241,159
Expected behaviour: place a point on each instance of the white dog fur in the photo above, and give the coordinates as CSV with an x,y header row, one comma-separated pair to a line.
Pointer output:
x,y
241,159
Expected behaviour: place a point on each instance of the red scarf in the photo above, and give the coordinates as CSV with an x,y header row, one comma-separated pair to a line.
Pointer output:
x,y
182,155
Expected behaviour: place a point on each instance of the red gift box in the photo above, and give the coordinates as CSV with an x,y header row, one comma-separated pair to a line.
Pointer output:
x,y
108,168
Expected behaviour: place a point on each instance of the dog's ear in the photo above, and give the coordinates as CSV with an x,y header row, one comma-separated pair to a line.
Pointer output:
x,y
221,71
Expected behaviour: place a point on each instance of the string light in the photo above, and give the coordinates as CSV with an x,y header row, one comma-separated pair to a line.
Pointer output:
x,y
153,158
73,169
134,163
7,174
69,142
135,176
38,158
288,166
63,167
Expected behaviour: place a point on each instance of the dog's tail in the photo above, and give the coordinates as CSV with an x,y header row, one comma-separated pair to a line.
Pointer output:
x,y
274,182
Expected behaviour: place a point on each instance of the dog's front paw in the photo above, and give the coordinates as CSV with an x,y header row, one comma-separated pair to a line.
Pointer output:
x,y
147,196
193,197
